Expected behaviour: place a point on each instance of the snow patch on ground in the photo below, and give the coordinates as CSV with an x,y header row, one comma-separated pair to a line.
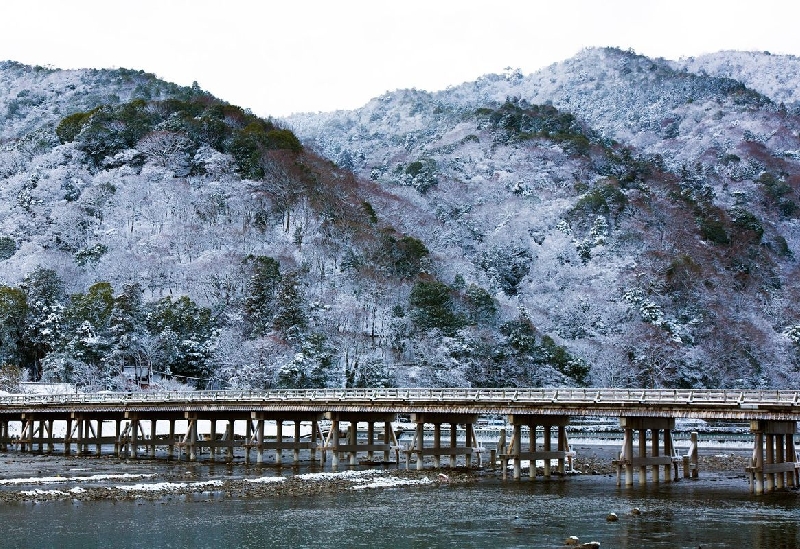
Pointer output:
x,y
265,480
390,482
43,493
168,486
59,480
344,475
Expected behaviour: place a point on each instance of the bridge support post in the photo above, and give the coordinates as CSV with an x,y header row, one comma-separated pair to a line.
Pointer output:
x,y
279,441
118,437
314,434
171,442
370,439
419,440
774,463
151,448
334,435
516,450
135,431
388,437
296,451
453,444
437,443
4,438
230,439
41,436
260,441
642,461
212,437
190,437
352,440
437,451
546,454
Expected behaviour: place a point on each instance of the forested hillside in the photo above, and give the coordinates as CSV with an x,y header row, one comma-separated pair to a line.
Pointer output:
x,y
652,209
610,220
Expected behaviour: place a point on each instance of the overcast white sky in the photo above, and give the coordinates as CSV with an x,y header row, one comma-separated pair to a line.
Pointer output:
x,y
315,55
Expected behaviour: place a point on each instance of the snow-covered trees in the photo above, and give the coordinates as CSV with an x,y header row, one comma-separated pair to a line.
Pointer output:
x,y
610,220
91,338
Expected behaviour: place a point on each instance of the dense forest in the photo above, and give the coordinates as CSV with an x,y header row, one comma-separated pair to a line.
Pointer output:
x,y
611,220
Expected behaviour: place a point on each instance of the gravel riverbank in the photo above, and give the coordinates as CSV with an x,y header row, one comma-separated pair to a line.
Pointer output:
x,y
29,477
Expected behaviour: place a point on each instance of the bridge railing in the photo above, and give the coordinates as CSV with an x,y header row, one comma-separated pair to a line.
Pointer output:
x,y
567,396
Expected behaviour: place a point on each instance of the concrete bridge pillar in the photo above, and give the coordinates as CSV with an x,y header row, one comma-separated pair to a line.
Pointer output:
x,y
774,464
118,437
453,444
546,453
171,442
437,451
296,450
628,461
260,441
4,438
334,436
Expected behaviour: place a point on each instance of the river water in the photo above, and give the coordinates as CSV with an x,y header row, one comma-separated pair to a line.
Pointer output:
x,y
716,511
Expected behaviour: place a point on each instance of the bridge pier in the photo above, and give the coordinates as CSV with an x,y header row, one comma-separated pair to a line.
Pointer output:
x,y
775,464
258,434
514,451
352,446
642,461
419,449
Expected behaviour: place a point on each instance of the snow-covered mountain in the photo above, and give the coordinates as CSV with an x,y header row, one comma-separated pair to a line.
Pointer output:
x,y
657,204
608,220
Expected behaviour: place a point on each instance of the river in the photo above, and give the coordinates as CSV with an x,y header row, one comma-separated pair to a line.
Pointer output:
x,y
716,511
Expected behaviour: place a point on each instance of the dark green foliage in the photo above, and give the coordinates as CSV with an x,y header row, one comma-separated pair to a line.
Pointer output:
x,y
262,291
713,230
481,306
779,193
108,129
420,174
13,314
290,317
517,120
432,307
44,296
8,247
311,367
402,256
94,306
184,332
526,360
507,266
279,138
370,211
606,199
781,247
520,334
251,142
69,127
86,322
746,221
43,286
90,255
560,359
627,169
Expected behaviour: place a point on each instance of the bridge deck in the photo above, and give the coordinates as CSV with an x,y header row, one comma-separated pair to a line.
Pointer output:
x,y
702,404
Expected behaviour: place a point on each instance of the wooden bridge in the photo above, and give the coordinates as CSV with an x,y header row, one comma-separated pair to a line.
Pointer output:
x,y
773,417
